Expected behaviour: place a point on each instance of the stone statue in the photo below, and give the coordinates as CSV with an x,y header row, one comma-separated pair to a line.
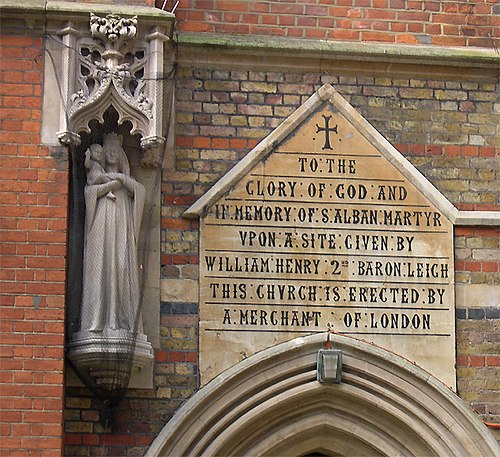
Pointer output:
x,y
114,204
94,163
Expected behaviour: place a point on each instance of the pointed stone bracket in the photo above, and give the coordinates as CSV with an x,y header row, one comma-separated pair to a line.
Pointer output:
x,y
110,358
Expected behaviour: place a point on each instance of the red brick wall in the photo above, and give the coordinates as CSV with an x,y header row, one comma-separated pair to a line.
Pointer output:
x,y
33,186
390,21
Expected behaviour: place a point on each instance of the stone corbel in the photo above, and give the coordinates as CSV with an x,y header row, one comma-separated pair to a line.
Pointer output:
x,y
109,65
152,149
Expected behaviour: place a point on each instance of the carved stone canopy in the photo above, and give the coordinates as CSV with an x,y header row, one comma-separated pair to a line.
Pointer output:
x,y
111,64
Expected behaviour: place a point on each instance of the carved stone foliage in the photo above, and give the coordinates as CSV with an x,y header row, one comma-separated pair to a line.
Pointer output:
x,y
113,30
113,66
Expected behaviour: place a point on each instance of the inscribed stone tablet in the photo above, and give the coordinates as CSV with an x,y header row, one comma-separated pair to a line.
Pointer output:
x,y
326,230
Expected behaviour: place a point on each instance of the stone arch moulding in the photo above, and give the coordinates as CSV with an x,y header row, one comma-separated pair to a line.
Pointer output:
x,y
271,405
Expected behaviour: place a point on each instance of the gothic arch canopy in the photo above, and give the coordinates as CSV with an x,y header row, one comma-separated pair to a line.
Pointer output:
x,y
271,405
109,96
119,62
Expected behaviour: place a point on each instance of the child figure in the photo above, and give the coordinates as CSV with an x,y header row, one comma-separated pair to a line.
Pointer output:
x,y
94,161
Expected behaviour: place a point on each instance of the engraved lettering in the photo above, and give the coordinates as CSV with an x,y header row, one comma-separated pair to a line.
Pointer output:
x,y
391,193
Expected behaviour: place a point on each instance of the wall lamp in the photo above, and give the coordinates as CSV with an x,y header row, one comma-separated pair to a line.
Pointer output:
x,y
329,369
329,365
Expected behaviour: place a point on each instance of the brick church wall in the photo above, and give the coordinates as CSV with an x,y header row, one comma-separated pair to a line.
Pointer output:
x,y
478,329
220,115
445,126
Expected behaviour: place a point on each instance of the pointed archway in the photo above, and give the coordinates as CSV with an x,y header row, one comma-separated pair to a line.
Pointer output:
x,y
271,405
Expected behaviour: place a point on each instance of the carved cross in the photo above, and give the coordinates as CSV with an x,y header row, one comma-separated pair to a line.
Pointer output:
x,y
327,129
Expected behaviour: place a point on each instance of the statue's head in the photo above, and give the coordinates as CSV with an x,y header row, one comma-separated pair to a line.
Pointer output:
x,y
94,154
115,155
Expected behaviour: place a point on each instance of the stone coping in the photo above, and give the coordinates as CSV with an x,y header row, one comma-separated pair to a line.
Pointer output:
x,y
328,93
75,9
345,50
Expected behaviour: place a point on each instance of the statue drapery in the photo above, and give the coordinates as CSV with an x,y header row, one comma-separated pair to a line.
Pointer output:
x,y
114,205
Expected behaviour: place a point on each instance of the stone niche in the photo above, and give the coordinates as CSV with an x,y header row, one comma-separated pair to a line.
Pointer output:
x,y
325,225
111,74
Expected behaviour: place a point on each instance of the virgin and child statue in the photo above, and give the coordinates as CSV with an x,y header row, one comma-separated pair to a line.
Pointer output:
x,y
114,205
